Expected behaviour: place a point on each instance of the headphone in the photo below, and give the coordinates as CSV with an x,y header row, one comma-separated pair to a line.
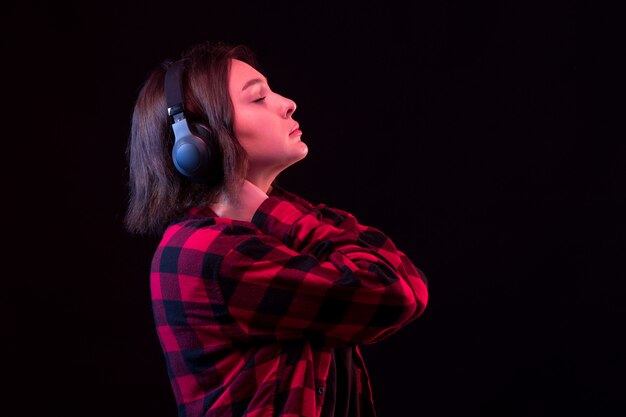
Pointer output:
x,y
196,154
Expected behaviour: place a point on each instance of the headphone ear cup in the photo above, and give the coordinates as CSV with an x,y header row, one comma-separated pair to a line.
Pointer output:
x,y
198,156
214,165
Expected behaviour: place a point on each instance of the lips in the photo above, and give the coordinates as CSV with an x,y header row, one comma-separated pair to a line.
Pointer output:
x,y
294,128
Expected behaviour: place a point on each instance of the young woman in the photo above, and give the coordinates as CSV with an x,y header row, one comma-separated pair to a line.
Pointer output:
x,y
261,298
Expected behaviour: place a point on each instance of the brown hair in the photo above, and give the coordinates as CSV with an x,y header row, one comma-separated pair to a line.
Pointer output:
x,y
158,193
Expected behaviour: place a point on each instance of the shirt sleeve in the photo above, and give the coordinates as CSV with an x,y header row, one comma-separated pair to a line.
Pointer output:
x,y
331,215
311,274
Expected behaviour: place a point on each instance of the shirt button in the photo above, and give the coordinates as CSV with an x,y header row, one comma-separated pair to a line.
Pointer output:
x,y
320,390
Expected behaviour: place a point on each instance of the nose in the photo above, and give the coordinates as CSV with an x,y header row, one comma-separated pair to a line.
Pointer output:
x,y
290,107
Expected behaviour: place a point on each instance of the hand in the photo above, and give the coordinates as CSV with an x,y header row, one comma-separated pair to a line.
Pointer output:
x,y
243,206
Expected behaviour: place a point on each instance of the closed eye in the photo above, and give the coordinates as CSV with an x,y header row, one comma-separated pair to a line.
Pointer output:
x,y
259,100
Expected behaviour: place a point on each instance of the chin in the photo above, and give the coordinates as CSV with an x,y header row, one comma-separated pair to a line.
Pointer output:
x,y
302,155
294,160
305,151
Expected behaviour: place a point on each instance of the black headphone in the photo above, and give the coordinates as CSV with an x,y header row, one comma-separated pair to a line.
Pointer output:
x,y
196,154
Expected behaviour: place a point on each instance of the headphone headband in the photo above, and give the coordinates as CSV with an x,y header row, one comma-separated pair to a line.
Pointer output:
x,y
174,88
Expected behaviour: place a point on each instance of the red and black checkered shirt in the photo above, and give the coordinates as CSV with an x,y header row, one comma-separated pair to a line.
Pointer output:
x,y
264,318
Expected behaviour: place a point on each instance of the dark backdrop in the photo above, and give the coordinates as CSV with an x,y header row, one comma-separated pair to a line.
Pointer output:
x,y
452,126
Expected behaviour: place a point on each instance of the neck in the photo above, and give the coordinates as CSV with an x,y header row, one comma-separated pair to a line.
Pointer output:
x,y
262,180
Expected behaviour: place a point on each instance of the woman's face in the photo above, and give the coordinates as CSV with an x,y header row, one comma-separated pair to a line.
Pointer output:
x,y
263,123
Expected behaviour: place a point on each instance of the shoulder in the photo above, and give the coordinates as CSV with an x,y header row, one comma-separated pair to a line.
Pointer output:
x,y
205,233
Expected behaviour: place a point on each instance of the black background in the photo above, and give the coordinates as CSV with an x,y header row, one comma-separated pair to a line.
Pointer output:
x,y
454,127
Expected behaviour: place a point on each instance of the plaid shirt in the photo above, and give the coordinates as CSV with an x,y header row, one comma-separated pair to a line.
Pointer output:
x,y
250,314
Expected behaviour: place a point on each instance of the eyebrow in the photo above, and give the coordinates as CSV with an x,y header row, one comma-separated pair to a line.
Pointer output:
x,y
252,82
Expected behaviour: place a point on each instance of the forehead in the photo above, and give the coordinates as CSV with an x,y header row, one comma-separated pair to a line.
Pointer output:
x,y
240,73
